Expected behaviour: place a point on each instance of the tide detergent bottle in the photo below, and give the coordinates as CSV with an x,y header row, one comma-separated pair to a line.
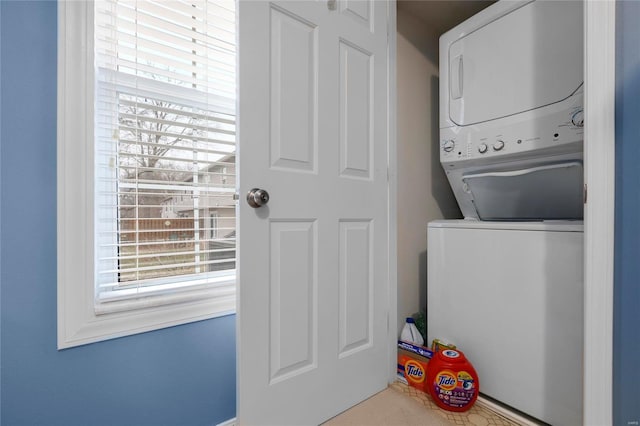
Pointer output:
x,y
452,381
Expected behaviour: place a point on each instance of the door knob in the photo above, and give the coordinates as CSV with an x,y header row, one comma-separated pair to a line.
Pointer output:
x,y
257,197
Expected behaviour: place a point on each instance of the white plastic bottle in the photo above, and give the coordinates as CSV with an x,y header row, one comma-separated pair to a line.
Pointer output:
x,y
410,333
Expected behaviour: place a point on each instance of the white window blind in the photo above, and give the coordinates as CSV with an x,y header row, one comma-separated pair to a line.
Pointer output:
x,y
164,149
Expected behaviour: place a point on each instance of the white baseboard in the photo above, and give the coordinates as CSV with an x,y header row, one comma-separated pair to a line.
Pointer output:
x,y
505,412
230,422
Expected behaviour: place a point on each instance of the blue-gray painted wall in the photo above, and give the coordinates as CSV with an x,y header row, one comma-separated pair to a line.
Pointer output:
x,y
626,353
177,376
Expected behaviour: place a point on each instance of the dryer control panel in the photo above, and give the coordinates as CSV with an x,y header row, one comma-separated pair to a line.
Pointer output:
x,y
523,167
518,135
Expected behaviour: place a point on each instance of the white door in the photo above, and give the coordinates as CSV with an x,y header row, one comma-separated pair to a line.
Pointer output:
x,y
313,282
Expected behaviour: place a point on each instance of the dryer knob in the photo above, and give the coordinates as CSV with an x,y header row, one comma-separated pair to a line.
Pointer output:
x,y
498,145
577,119
448,146
482,148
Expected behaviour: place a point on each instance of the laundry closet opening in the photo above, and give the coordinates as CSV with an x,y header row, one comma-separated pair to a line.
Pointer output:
x,y
490,127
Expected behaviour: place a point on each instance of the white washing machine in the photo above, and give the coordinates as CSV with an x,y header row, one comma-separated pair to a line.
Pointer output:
x,y
510,296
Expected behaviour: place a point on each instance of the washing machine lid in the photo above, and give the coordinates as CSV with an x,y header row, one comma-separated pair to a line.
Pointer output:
x,y
552,191
545,226
533,54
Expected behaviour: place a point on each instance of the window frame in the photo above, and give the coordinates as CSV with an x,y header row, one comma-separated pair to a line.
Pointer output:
x,y
79,320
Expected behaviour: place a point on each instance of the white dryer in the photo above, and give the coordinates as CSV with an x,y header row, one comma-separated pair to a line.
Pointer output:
x,y
511,111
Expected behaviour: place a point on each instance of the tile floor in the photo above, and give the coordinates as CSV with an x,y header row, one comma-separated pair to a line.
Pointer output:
x,y
478,415
402,405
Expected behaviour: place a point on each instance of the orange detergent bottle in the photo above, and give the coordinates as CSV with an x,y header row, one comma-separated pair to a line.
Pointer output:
x,y
452,381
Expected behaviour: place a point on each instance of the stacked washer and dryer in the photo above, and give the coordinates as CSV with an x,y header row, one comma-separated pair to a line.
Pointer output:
x,y
505,284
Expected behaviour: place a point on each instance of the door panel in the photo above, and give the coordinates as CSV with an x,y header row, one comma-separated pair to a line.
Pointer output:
x,y
356,286
355,110
359,11
294,73
313,262
293,297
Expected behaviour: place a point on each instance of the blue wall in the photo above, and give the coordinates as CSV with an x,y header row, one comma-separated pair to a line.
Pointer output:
x,y
626,354
178,376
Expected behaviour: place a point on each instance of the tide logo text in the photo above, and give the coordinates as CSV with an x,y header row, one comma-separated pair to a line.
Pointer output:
x,y
414,371
446,380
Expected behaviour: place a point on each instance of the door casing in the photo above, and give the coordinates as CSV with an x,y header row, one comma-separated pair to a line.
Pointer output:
x,y
599,162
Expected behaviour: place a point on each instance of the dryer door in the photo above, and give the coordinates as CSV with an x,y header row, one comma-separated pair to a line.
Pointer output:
x,y
527,59
551,192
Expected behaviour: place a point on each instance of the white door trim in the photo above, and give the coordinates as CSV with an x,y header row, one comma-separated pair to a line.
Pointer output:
x,y
392,173
599,159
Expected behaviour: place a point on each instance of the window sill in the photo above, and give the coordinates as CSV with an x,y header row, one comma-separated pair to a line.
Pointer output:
x,y
172,289
126,300
139,316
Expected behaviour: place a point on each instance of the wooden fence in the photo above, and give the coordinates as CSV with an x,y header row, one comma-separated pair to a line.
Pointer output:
x,y
160,230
